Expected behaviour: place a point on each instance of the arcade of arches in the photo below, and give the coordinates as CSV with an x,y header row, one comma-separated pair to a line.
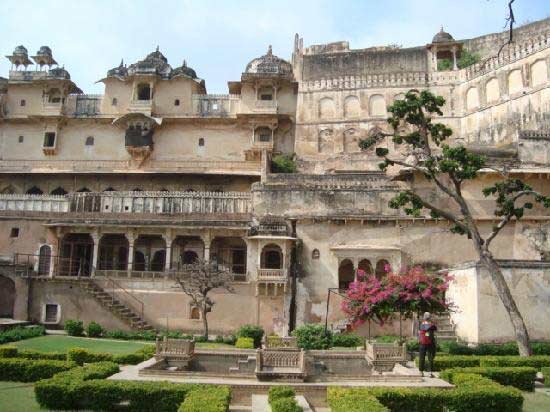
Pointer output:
x,y
347,273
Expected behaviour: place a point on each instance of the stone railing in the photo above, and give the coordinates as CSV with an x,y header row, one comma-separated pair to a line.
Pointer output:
x,y
215,105
34,203
132,202
174,347
280,359
272,275
265,106
384,356
30,75
374,180
141,106
367,81
52,109
281,342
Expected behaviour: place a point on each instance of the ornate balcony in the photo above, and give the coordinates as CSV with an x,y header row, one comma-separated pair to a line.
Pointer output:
x,y
265,107
272,275
141,106
52,109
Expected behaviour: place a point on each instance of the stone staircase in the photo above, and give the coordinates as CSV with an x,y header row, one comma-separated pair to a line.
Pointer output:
x,y
244,366
445,328
110,301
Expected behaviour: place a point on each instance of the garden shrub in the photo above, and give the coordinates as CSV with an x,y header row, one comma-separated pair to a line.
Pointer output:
x,y
348,340
20,333
27,370
147,335
457,361
8,352
74,327
537,361
278,392
245,343
207,399
340,400
546,374
521,377
313,336
251,331
34,354
230,339
285,405
81,356
491,349
473,393
283,164
94,330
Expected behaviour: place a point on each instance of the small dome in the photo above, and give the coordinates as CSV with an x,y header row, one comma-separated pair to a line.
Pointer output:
x,y
156,55
154,63
184,71
442,37
269,64
44,51
20,51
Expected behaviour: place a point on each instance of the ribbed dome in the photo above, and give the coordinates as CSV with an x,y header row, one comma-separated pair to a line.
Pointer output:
x,y
20,51
184,71
155,62
269,64
442,37
44,51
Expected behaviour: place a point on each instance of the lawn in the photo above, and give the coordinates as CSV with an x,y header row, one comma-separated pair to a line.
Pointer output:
x,y
536,402
60,343
16,397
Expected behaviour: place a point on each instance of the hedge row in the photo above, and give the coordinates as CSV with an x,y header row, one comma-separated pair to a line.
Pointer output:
x,y
14,352
207,399
20,333
282,399
81,356
473,393
522,377
341,400
493,349
85,387
27,370
546,374
467,361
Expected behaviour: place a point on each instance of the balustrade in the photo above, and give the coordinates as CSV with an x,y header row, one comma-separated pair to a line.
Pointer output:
x,y
272,275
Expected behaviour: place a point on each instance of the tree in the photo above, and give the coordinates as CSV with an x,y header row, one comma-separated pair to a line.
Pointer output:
x,y
409,292
447,168
198,279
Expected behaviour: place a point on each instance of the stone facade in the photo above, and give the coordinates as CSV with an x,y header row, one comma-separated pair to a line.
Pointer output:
x,y
130,185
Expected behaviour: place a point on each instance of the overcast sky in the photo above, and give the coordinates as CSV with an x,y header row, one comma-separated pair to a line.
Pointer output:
x,y
218,38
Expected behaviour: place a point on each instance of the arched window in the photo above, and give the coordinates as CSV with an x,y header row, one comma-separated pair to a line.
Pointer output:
x,y
59,191
83,190
189,190
35,191
110,189
315,254
139,260
272,257
365,266
114,102
201,142
158,261
188,257
44,260
346,274
89,141
177,102
144,91
137,189
382,267
8,190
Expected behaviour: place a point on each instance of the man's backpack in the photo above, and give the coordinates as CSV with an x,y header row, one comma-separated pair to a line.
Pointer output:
x,y
425,335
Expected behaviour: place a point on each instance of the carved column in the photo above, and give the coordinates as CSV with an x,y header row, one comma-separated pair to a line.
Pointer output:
x,y
169,239
131,240
207,240
96,236
455,66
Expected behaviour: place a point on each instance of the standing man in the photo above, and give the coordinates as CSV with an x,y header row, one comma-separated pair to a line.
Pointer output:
x,y
426,339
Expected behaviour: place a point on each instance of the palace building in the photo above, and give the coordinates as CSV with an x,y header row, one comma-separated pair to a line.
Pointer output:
x,y
105,197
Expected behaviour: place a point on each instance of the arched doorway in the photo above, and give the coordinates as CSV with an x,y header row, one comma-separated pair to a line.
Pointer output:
x,y
272,257
76,255
381,267
158,261
186,250
113,252
150,253
44,260
189,257
346,274
7,297
139,260
231,253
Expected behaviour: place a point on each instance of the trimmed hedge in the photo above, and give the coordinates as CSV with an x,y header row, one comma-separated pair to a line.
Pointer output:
x,y
538,361
546,374
279,392
340,400
493,349
522,377
282,399
85,387
207,399
348,340
245,343
457,361
81,356
14,352
20,333
74,327
255,332
26,370
313,336
473,393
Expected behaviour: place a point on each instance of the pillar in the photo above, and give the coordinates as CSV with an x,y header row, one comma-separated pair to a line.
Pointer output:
x,y
95,237
169,239
207,240
131,240
455,66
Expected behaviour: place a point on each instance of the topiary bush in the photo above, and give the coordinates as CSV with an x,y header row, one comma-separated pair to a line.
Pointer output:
x,y
254,332
94,330
536,361
74,327
348,340
313,336
27,370
522,378
245,343
207,399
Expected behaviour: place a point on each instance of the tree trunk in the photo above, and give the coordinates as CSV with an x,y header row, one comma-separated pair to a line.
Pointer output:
x,y
204,321
503,292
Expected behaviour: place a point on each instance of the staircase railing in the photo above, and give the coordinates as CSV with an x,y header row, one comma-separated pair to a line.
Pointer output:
x,y
124,292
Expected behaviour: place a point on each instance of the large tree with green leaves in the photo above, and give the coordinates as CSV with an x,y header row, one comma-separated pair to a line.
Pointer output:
x,y
448,167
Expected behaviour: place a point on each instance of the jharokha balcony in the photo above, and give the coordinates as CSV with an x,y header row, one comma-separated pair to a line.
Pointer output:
x,y
225,207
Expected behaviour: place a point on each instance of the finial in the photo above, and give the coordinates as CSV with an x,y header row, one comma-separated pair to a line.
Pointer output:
x,y
269,50
157,48
184,63
121,63
441,29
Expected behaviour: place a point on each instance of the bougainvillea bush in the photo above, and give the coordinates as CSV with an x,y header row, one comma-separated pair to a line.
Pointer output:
x,y
409,291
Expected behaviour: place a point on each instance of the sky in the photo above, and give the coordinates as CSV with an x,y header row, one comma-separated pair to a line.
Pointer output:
x,y
218,38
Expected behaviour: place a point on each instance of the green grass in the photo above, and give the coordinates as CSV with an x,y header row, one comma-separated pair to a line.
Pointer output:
x,y
535,401
60,343
213,345
16,397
